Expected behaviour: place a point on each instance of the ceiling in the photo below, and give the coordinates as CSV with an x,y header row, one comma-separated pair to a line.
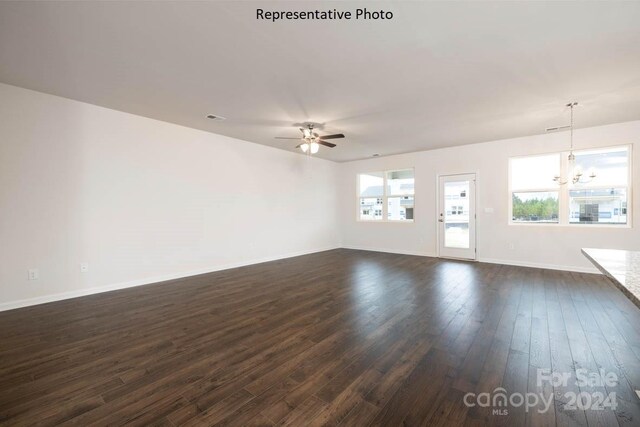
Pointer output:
x,y
438,74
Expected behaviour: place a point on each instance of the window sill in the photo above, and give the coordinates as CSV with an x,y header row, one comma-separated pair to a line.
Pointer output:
x,y
558,225
385,221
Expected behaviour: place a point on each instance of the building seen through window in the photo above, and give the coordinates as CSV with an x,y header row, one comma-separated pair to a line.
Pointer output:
x,y
386,196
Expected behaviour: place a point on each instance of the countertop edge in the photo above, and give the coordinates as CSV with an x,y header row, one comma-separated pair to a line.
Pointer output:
x,y
634,299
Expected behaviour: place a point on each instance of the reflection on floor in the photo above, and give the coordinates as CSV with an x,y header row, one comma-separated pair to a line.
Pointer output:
x,y
341,336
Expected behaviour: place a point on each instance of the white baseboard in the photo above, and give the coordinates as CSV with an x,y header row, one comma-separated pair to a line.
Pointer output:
x,y
156,279
147,281
391,251
487,260
542,265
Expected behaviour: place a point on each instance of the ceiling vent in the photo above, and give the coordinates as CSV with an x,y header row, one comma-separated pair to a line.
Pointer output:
x,y
214,117
551,129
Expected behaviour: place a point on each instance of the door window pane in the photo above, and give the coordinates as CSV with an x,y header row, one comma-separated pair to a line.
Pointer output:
x,y
598,206
535,206
400,208
456,219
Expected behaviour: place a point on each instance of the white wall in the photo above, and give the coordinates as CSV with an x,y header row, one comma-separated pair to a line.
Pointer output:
x,y
534,245
142,200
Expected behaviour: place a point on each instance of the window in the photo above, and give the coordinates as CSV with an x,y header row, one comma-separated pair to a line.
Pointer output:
x,y
537,198
534,194
371,191
603,199
386,195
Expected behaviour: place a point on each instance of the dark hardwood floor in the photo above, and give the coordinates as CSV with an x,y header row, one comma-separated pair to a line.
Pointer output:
x,y
339,337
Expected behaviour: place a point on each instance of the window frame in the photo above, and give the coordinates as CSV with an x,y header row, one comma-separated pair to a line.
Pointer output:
x,y
563,191
385,197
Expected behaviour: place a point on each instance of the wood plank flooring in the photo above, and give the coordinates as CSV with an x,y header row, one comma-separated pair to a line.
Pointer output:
x,y
340,337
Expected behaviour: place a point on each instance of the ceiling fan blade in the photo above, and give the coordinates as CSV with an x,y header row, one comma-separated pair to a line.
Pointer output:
x,y
337,135
298,146
326,144
285,137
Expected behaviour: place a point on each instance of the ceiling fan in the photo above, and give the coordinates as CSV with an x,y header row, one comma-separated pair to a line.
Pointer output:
x,y
311,141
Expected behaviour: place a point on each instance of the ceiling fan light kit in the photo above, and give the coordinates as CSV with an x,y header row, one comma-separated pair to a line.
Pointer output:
x,y
311,141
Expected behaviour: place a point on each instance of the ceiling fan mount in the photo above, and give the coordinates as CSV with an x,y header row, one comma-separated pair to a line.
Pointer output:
x,y
311,141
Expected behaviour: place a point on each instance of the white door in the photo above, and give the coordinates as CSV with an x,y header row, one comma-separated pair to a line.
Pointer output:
x,y
457,216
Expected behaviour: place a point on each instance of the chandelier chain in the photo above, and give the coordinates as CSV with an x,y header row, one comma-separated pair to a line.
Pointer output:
x,y
572,126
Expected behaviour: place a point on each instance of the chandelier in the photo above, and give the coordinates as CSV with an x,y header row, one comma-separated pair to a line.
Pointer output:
x,y
574,172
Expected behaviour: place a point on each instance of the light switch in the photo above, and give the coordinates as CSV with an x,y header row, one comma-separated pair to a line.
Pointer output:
x,y
488,210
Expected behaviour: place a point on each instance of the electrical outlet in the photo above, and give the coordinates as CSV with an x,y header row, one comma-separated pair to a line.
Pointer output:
x,y
34,274
512,246
84,267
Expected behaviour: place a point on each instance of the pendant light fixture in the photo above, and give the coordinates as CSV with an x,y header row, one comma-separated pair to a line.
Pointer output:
x,y
573,171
